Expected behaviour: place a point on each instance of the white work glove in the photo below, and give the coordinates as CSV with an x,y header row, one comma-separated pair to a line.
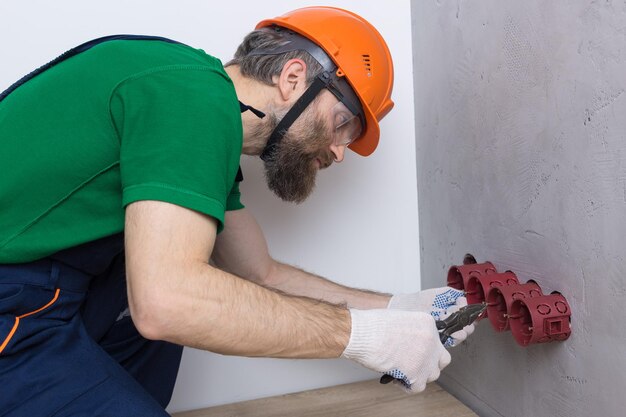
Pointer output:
x,y
403,344
440,303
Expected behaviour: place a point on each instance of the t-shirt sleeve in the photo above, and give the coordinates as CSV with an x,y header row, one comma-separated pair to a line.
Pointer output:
x,y
180,138
233,202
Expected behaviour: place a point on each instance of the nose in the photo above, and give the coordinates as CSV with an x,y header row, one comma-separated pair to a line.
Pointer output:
x,y
338,151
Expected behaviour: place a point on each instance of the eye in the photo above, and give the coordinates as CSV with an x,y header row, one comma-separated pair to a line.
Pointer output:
x,y
341,119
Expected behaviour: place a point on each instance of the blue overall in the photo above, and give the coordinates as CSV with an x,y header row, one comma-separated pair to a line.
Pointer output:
x,y
68,346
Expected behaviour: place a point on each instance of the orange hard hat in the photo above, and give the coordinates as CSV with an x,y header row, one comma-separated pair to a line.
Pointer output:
x,y
361,56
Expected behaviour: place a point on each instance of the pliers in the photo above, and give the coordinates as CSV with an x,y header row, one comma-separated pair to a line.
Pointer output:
x,y
455,322
459,319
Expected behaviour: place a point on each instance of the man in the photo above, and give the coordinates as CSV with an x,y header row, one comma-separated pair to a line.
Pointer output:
x,y
122,237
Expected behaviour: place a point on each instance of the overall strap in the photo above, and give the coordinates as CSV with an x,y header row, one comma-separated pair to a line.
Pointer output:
x,y
75,51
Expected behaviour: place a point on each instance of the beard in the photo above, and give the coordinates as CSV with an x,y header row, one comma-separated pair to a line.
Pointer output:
x,y
291,170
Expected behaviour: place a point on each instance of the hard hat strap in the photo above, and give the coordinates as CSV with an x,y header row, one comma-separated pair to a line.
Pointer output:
x,y
322,81
339,86
327,79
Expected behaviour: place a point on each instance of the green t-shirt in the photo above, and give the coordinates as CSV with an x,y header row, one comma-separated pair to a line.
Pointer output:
x,y
124,121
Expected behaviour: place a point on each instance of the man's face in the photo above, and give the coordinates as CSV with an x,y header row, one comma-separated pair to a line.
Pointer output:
x,y
306,148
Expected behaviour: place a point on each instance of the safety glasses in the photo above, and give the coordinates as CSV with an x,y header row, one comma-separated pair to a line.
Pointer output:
x,y
346,127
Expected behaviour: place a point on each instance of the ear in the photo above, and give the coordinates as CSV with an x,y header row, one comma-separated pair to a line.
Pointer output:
x,y
292,80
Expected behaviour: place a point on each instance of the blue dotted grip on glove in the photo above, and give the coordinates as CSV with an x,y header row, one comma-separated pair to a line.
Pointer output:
x,y
397,375
441,303
444,301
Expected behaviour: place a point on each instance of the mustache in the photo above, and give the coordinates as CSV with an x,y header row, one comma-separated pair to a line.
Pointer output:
x,y
326,160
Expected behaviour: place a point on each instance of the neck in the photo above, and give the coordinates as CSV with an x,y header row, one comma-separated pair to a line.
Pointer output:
x,y
255,94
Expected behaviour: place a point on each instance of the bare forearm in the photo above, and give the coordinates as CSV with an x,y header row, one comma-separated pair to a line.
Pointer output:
x,y
213,310
295,281
242,249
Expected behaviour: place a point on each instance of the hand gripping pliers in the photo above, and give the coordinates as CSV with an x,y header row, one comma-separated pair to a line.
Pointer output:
x,y
459,319
453,323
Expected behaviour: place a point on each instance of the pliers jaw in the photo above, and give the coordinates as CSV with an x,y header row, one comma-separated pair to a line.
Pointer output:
x,y
459,319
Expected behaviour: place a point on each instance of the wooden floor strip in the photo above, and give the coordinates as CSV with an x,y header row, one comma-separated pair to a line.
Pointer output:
x,y
359,399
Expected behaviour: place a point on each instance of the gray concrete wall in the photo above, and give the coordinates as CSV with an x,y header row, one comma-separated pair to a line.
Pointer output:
x,y
521,159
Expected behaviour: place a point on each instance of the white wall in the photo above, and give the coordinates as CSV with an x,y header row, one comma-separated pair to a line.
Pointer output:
x,y
359,228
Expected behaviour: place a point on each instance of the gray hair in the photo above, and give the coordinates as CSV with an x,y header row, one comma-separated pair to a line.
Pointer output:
x,y
263,67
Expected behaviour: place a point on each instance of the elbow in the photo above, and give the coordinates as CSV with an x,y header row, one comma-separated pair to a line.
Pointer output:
x,y
148,311
265,274
268,276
